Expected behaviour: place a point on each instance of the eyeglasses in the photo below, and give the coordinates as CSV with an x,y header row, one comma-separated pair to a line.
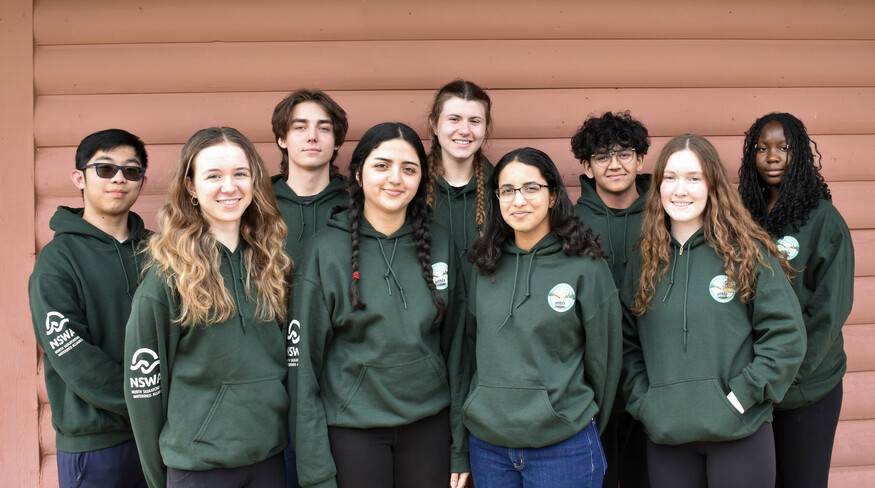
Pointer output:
x,y
624,156
528,191
107,170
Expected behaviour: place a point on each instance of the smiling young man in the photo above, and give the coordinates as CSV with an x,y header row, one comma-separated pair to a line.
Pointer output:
x,y
611,149
309,127
80,298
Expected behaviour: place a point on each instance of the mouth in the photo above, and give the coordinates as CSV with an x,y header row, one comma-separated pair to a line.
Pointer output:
x,y
229,203
681,204
462,142
393,192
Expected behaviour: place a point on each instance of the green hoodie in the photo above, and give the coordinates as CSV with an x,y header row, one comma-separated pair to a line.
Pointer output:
x,y
697,343
80,297
619,230
549,346
305,219
456,209
202,398
387,365
823,254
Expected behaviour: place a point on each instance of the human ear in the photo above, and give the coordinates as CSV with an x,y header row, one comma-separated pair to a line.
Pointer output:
x,y
587,168
78,178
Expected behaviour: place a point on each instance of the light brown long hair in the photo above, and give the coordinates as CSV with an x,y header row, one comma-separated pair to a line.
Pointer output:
x,y
187,255
466,91
728,227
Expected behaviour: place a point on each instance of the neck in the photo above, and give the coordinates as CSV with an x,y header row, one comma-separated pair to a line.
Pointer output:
x,y
307,182
526,241
383,222
621,200
457,173
114,225
228,233
683,231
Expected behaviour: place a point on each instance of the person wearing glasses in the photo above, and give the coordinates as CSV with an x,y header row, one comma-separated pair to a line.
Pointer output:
x,y
781,185
205,368
713,333
80,298
548,335
611,149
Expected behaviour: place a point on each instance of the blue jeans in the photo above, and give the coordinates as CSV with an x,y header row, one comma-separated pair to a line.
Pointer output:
x,y
111,467
576,462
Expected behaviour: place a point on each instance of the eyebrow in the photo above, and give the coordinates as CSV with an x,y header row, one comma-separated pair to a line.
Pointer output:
x,y
318,121
378,158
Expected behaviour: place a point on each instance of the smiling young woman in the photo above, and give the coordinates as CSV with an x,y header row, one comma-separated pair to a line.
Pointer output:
x,y
380,362
205,385
542,291
716,319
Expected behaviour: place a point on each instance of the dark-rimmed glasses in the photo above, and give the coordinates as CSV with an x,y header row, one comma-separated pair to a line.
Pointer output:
x,y
109,170
529,190
624,155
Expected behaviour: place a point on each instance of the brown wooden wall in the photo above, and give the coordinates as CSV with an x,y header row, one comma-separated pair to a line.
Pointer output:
x,y
166,68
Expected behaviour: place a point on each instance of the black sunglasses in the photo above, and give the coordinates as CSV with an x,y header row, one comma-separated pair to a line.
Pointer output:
x,y
108,170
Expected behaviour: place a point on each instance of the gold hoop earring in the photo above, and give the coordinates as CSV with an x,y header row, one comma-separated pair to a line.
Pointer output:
x,y
194,200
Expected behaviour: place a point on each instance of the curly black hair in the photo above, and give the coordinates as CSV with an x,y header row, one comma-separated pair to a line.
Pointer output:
x,y
601,133
577,239
802,186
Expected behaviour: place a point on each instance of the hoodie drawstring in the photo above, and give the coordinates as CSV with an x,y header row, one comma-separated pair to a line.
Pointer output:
x,y
234,279
118,252
303,223
686,287
390,271
528,286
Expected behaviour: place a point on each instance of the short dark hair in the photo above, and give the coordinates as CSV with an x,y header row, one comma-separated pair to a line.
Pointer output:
x,y
107,140
607,131
282,122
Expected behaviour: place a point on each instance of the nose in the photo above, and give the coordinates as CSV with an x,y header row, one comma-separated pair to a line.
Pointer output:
x,y
395,174
518,198
229,184
772,154
614,162
312,133
465,127
118,177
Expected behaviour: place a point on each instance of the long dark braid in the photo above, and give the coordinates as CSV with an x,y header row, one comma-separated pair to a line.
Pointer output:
x,y
356,201
417,212
802,186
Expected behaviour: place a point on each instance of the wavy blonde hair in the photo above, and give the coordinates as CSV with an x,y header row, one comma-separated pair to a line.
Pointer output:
x,y
187,255
728,226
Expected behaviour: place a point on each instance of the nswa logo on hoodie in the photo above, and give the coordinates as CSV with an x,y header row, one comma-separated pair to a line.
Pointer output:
x,y
64,340
293,337
148,385
788,245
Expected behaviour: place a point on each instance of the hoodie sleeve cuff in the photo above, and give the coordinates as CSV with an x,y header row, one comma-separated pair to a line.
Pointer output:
x,y
459,462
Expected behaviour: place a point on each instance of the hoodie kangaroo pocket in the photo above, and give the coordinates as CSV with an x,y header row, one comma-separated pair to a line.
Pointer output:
x,y
392,394
245,424
507,416
689,411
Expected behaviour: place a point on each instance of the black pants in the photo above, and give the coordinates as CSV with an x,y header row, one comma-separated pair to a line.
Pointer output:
x,y
270,473
624,442
803,441
416,455
748,462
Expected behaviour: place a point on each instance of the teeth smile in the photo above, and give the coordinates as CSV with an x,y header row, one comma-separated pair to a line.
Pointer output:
x,y
464,143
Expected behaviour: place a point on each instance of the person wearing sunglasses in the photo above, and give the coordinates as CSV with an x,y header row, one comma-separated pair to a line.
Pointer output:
x,y
80,298
611,149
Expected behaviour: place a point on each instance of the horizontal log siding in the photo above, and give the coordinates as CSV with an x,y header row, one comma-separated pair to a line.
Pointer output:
x,y
164,69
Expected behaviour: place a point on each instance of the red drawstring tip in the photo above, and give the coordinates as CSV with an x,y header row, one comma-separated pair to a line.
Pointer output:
x,y
355,275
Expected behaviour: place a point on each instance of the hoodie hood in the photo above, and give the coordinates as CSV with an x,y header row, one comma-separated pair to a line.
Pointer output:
x,y
550,244
304,219
619,230
388,245
69,221
456,208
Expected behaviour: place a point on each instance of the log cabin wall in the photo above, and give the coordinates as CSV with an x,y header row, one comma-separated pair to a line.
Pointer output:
x,y
165,68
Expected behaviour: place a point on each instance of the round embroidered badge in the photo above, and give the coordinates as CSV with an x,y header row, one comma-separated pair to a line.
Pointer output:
x,y
561,297
440,274
722,289
789,246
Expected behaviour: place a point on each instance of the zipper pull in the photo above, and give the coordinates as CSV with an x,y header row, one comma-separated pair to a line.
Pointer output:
x,y
682,248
